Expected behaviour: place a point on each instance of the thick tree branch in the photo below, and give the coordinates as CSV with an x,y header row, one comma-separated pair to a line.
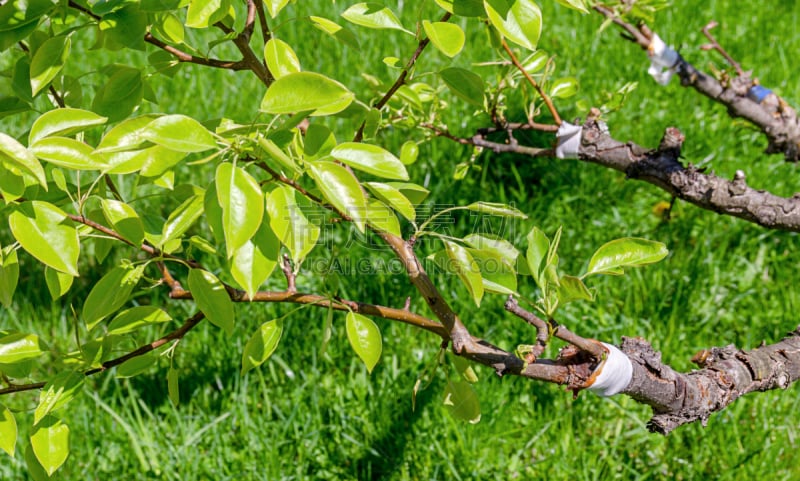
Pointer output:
x,y
741,95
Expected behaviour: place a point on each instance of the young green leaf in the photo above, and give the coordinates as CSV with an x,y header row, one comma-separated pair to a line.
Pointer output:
x,y
341,189
50,443
179,133
58,283
131,319
304,91
336,31
9,275
393,198
466,85
371,159
413,192
500,247
18,156
242,204
463,8
287,220
202,13
63,122
538,246
579,5
41,229
373,15
124,219
564,87
573,289
466,268
47,61
382,218
281,59
462,402
409,152
19,347
136,365
254,261
212,299
8,431
66,152
611,258
497,273
495,208
181,219
120,95
58,392
110,293
365,338
262,344
522,23
275,6
448,38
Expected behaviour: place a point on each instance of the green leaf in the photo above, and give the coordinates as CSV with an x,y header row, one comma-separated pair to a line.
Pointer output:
x,y
579,5
48,60
50,442
613,256
341,189
463,8
170,28
336,31
63,122
371,159
281,59
304,91
495,208
462,402
15,154
173,388
179,133
42,230
8,431
120,95
522,23
212,299
124,220
110,293
466,85
365,338
261,345
382,218
535,62
58,283
319,142
182,218
538,246
131,319
124,137
253,262
409,152
498,246
35,469
202,13
272,150
573,289
66,152
287,220
9,275
12,186
373,15
19,13
467,269
136,365
393,198
448,38
58,392
497,273
275,6
19,347
415,193
242,204
564,87
124,28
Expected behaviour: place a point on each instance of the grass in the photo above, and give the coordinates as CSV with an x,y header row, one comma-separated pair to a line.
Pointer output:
x,y
302,416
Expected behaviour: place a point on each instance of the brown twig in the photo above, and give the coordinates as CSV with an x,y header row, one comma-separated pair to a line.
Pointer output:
x,y
401,79
714,45
291,279
182,56
542,331
262,20
176,334
547,101
636,35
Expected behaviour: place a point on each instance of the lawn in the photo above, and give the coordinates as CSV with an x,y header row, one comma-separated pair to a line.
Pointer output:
x,y
306,415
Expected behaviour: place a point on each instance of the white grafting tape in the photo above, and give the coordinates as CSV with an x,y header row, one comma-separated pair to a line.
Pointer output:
x,y
569,140
615,373
662,60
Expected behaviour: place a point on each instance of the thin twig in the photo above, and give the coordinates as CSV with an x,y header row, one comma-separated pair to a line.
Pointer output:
x,y
262,20
547,101
542,331
635,34
291,278
714,45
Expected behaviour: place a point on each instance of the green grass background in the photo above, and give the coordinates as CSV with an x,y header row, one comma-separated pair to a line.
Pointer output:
x,y
302,416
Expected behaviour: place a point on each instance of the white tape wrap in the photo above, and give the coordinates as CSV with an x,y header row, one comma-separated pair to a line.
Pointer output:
x,y
615,373
662,60
569,141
